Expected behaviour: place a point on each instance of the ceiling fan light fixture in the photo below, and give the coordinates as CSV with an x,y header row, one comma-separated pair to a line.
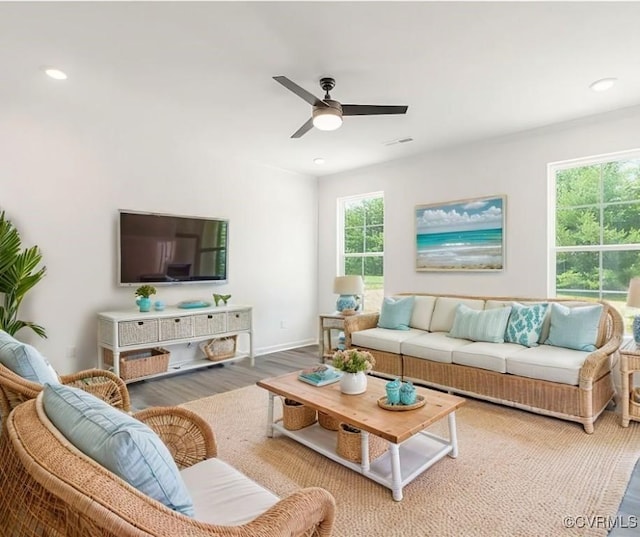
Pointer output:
x,y
327,119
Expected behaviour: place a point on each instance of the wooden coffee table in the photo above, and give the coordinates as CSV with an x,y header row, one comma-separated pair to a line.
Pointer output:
x,y
412,449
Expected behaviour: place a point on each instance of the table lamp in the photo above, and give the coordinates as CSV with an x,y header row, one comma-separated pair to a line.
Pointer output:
x,y
349,288
633,301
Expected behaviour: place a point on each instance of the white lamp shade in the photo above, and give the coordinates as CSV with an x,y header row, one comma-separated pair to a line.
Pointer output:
x,y
633,296
348,285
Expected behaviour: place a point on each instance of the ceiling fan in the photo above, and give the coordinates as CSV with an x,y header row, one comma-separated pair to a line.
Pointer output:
x,y
327,113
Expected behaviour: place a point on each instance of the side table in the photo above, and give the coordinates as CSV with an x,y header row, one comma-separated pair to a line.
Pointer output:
x,y
629,364
327,323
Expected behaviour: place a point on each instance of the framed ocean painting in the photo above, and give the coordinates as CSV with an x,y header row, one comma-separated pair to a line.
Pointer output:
x,y
461,235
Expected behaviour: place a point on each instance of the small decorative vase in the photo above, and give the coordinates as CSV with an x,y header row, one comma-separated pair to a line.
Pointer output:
x,y
636,329
144,304
407,394
159,305
393,392
353,383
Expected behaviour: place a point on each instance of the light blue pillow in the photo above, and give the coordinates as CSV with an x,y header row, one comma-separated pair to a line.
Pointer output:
x,y
525,324
574,328
119,442
396,313
480,325
25,360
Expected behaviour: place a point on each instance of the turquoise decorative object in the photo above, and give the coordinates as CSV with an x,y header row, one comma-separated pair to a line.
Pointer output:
x,y
144,304
407,394
159,305
346,302
393,392
636,329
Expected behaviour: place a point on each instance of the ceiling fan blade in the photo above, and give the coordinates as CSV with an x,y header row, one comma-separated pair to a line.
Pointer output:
x,y
300,92
304,129
371,110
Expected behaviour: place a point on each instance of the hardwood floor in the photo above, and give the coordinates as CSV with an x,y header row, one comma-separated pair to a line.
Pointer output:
x,y
180,388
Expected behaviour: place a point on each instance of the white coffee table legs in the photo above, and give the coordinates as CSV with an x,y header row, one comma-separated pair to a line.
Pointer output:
x,y
396,472
453,435
270,415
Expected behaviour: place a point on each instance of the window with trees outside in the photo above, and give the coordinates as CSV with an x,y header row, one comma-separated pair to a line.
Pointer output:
x,y
597,227
361,244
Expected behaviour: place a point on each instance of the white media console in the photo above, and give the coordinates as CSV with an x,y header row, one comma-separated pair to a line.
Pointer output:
x,y
124,331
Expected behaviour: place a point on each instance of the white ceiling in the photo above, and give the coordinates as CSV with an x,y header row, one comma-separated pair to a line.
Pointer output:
x,y
467,70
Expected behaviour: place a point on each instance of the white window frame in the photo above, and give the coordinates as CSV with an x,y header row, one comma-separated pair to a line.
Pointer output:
x,y
552,169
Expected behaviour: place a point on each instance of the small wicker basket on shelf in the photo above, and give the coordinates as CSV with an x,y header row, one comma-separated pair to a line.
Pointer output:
x,y
220,348
297,416
141,363
349,444
328,422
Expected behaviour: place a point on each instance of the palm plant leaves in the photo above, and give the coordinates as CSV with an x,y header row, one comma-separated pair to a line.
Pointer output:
x,y
17,277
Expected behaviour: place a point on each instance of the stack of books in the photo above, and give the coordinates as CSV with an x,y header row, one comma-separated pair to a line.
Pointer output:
x,y
320,377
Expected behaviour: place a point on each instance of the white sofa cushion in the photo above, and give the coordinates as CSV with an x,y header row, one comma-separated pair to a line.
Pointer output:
x,y
486,355
485,325
383,339
445,311
435,346
546,362
422,312
223,495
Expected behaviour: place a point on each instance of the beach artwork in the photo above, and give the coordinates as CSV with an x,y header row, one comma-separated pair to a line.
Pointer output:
x,y
461,235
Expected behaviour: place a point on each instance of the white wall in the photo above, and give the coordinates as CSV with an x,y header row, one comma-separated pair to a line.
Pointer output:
x,y
63,179
515,166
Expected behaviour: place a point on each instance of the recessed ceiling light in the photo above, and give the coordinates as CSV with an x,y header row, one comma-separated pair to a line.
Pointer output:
x,y
56,74
603,84
318,161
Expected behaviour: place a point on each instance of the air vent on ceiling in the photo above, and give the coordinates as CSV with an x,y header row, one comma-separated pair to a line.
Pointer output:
x,y
399,141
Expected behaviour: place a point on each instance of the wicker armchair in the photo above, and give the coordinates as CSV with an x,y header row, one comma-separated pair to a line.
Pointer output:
x,y
47,487
105,385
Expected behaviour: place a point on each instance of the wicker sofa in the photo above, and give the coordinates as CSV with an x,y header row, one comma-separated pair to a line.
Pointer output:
x,y
48,487
483,370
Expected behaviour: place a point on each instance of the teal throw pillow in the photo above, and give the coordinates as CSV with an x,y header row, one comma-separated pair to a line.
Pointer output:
x,y
574,328
396,313
25,360
119,442
525,324
480,325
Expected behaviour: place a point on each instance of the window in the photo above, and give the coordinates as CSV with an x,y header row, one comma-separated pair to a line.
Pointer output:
x,y
597,227
361,244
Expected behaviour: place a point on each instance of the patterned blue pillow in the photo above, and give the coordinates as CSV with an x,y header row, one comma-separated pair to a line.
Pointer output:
x,y
525,324
396,313
480,325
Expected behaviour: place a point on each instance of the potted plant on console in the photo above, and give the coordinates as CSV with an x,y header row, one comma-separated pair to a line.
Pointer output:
x,y
144,292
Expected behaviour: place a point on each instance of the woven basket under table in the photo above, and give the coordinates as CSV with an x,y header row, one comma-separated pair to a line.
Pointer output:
x,y
141,363
220,348
328,422
349,444
296,415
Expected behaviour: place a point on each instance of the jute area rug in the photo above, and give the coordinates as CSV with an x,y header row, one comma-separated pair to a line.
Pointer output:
x,y
517,473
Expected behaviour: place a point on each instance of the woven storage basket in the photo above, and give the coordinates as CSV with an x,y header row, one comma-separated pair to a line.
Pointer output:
x,y
349,444
136,364
220,348
328,422
297,416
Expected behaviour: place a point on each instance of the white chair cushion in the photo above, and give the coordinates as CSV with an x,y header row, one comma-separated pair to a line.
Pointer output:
x,y
445,311
223,495
422,312
546,362
383,339
437,346
486,355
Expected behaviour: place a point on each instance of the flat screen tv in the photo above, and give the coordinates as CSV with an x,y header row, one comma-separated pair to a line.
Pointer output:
x,y
171,249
